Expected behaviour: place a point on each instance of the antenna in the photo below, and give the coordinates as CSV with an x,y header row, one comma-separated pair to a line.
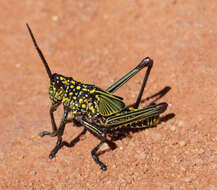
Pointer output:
x,y
40,53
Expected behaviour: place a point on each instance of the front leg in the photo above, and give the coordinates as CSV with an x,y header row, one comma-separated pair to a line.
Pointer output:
x,y
53,123
59,132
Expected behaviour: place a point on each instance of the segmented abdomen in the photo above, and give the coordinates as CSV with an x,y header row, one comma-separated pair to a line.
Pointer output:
x,y
147,122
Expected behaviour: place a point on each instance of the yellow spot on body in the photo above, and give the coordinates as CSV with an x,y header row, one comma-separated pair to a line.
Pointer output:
x,y
61,78
60,92
70,93
64,99
78,87
92,91
65,82
85,89
74,97
74,112
83,106
93,110
81,100
73,82
71,86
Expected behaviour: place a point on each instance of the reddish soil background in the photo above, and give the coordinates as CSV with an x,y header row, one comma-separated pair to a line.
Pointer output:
x,y
97,42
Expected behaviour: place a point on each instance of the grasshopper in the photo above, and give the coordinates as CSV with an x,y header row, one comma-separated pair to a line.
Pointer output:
x,y
99,111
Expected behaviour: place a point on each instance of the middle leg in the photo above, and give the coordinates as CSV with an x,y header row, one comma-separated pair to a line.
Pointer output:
x,y
95,157
102,136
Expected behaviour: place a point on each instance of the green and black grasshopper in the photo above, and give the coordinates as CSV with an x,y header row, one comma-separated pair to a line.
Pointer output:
x,y
99,111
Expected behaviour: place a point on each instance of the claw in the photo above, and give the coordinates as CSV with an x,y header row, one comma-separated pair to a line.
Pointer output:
x,y
51,155
103,167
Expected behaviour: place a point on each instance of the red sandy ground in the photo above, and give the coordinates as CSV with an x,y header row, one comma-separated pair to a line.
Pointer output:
x,y
97,42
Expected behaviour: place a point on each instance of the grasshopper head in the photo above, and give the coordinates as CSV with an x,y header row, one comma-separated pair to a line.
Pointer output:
x,y
58,85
